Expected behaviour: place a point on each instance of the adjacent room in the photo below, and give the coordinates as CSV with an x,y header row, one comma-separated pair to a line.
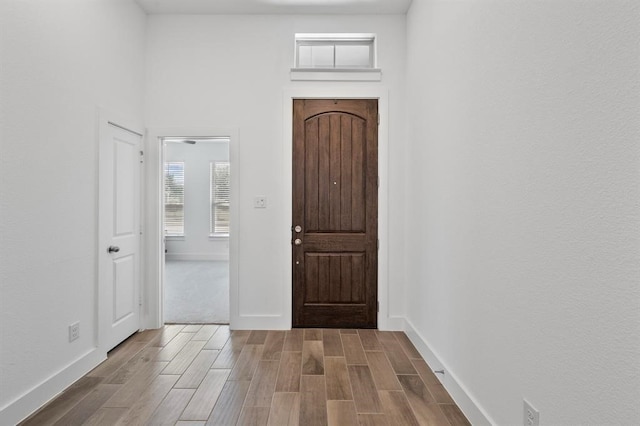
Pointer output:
x,y
196,230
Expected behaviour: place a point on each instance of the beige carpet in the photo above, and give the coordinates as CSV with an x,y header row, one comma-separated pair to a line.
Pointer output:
x,y
196,292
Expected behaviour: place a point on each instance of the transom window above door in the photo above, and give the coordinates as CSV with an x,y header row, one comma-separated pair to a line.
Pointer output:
x,y
335,51
341,56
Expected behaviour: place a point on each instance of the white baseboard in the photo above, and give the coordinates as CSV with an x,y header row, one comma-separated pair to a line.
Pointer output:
x,y
197,256
456,389
279,322
260,322
391,324
25,405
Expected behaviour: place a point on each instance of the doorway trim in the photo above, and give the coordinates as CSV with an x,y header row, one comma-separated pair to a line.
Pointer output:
x,y
385,322
153,286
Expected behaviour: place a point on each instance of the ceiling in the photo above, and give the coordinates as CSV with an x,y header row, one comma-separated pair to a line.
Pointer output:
x,y
275,6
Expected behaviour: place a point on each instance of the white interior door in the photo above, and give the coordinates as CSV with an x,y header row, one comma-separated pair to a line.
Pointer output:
x,y
120,166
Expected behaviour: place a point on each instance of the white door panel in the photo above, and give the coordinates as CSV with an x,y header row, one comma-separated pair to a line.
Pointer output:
x,y
120,233
126,174
124,282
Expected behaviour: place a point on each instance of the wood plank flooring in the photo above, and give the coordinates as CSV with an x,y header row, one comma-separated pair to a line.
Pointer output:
x,y
209,375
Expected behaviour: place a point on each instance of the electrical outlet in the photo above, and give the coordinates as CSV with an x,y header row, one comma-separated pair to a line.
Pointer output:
x,y
260,202
74,331
531,416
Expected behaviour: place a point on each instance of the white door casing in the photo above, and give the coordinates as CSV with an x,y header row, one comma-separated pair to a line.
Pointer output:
x,y
386,321
119,249
154,236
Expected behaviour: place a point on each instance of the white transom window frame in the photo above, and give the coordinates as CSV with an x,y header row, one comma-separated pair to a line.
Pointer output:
x,y
336,73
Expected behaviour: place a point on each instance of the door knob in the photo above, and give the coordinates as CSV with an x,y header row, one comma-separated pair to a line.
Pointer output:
x,y
113,249
297,241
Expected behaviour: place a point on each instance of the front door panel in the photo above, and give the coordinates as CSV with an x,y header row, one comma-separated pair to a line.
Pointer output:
x,y
335,206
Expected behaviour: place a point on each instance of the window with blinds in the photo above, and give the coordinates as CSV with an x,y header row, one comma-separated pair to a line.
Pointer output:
x,y
174,199
219,196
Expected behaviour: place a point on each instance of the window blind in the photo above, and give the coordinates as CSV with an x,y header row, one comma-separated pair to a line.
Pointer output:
x,y
220,197
174,198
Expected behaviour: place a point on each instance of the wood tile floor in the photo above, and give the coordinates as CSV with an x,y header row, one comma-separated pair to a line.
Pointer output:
x,y
206,375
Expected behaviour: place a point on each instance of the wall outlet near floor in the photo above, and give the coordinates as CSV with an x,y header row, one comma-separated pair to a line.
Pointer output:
x,y
531,416
74,331
260,202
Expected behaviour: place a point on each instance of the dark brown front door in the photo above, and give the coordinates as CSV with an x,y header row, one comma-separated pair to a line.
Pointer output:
x,y
335,213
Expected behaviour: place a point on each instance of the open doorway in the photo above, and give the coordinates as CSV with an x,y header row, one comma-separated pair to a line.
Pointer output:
x,y
196,225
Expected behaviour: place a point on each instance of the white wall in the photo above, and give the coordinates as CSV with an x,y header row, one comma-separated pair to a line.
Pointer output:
x,y
60,61
196,243
522,264
233,71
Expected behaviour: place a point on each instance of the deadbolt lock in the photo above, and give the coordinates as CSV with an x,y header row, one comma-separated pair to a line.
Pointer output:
x,y
298,228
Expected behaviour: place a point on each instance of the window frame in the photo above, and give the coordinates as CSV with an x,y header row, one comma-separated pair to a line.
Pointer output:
x,y
336,39
373,74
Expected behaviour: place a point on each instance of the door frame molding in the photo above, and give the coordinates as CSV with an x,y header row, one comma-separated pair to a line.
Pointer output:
x,y
153,286
105,119
385,322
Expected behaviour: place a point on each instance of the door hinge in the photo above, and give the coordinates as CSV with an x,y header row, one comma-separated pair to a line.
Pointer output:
x,y
378,182
378,119
378,306
378,244
141,156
